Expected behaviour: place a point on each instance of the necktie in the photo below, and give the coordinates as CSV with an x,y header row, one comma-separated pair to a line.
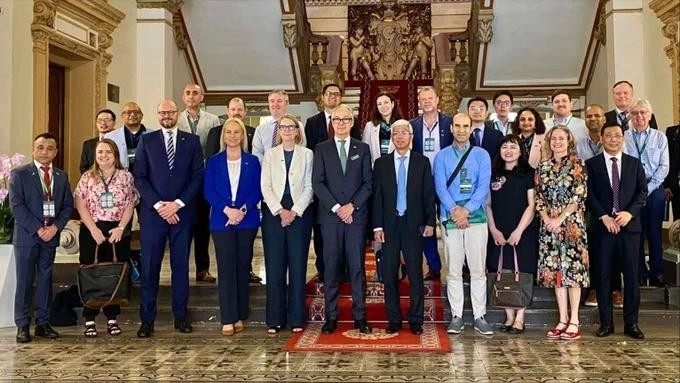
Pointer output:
x,y
48,182
615,184
624,120
275,133
331,131
478,137
170,150
343,156
401,186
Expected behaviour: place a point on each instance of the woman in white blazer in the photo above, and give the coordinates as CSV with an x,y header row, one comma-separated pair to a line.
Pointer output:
x,y
286,225
530,128
377,131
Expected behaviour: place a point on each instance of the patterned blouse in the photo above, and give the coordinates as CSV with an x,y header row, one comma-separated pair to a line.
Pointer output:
x,y
122,185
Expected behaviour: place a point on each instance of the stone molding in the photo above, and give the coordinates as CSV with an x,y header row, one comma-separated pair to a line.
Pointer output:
x,y
668,11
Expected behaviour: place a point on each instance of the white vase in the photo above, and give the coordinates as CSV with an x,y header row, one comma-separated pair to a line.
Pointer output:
x,y
8,285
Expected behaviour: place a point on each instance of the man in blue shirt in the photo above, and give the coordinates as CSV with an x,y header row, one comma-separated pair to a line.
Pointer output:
x,y
462,197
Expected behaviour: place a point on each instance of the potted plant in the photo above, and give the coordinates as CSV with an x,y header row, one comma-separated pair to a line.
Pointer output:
x,y
7,163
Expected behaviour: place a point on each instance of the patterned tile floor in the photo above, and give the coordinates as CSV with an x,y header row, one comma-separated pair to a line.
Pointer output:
x,y
206,356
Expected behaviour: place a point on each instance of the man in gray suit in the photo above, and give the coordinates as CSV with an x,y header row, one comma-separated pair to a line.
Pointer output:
x,y
342,182
41,201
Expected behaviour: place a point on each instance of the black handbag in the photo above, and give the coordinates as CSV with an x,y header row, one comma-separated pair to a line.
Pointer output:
x,y
510,289
104,283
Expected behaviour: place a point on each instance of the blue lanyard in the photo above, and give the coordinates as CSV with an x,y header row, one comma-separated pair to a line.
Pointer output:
x,y
637,145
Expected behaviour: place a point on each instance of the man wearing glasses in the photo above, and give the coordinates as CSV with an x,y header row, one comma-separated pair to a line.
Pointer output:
x,y
561,106
318,128
265,133
134,129
342,182
651,147
105,121
502,104
483,134
169,176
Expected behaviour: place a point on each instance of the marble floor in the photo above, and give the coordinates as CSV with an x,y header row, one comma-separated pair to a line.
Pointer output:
x,y
206,356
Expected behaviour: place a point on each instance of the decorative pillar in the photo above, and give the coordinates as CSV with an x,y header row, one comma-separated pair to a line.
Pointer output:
x,y
447,88
668,11
41,29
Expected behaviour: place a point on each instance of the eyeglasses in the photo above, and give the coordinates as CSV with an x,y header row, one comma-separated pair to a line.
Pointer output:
x,y
104,120
503,103
639,113
477,108
333,94
287,127
165,113
338,120
132,112
401,133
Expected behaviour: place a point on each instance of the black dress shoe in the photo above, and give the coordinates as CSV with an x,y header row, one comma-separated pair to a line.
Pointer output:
x,y
604,331
657,281
393,328
504,327
362,326
23,334
45,331
416,328
145,330
330,326
515,331
633,331
182,325
432,275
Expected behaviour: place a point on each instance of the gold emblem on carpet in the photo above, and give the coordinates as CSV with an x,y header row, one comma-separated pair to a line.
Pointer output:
x,y
377,334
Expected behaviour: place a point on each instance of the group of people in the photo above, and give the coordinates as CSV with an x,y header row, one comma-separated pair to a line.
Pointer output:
x,y
524,190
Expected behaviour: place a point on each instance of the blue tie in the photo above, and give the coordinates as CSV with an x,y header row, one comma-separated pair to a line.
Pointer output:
x,y
478,136
401,187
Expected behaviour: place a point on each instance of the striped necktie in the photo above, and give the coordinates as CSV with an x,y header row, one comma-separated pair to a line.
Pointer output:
x,y
170,150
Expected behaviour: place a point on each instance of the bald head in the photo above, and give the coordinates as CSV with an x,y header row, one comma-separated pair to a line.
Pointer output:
x,y
167,114
192,96
132,116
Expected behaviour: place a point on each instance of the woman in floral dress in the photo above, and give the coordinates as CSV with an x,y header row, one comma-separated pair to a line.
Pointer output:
x,y
562,250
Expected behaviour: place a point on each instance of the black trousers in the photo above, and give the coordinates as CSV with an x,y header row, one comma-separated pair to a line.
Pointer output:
x,y
202,234
401,241
593,250
318,239
88,248
623,248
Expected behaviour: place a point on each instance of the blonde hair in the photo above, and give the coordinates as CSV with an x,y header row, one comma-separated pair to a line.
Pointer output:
x,y
298,138
94,170
571,147
244,133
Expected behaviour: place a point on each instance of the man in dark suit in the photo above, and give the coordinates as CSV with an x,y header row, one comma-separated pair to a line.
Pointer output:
x,y
318,128
168,175
483,132
431,133
402,216
342,182
623,95
617,190
106,121
41,202
670,185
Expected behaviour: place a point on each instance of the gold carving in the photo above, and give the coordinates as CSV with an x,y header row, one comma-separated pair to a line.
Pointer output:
x,y
445,83
44,13
484,28
171,5
359,55
668,11
422,44
290,36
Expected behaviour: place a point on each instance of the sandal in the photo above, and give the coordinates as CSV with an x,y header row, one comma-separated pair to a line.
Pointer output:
x,y
571,335
297,329
228,330
556,332
273,330
90,330
112,328
239,326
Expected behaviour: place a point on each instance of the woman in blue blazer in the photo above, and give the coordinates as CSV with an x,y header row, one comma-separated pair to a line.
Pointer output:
x,y
232,188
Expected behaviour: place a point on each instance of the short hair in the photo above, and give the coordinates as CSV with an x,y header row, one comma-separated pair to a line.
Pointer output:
x,y
522,167
461,114
501,93
595,106
377,118
325,87
402,122
132,103
345,107
539,126
298,139
200,89
571,141
641,103
116,156
428,89
279,91
109,111
559,92
622,82
477,98
46,136
244,133
610,125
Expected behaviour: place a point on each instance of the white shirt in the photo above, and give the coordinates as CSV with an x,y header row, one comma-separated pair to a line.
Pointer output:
x,y
337,145
431,132
328,118
174,138
608,164
576,126
234,167
38,165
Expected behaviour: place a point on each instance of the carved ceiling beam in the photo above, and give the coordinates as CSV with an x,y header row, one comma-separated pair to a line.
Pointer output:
x,y
173,6
668,11
484,27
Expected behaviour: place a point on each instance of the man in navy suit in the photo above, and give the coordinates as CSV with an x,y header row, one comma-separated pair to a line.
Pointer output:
x,y
617,191
342,182
431,133
168,175
42,203
483,132
318,129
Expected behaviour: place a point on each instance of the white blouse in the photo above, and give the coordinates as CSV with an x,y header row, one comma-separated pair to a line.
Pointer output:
x,y
234,168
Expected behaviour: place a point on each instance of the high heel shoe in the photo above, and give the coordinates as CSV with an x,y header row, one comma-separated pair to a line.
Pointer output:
x,y
556,332
571,335
228,330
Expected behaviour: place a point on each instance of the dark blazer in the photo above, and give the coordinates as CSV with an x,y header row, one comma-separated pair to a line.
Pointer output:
x,y
611,118
419,194
632,191
316,130
26,198
87,154
332,187
156,182
491,139
212,143
671,181
444,126
217,191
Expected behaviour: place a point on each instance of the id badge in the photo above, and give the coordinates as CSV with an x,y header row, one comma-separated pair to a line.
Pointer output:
x,y
465,182
49,209
106,200
428,145
131,155
384,146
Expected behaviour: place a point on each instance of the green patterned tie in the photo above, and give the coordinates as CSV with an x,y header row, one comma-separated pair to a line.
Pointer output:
x,y
343,156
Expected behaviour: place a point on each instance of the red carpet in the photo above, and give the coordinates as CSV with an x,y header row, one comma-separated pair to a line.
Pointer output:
x,y
346,339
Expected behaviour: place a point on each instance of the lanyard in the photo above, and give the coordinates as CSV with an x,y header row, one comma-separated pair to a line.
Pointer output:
x,y
597,149
430,130
47,189
637,145
106,184
566,123
455,151
500,127
193,124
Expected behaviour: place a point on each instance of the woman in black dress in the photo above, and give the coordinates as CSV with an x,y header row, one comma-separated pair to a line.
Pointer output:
x,y
510,214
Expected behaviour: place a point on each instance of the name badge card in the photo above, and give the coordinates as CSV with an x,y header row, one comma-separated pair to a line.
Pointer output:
x,y
465,182
49,212
106,200
428,145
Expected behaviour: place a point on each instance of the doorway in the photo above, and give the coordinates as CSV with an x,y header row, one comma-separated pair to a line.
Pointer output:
x,y
56,101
